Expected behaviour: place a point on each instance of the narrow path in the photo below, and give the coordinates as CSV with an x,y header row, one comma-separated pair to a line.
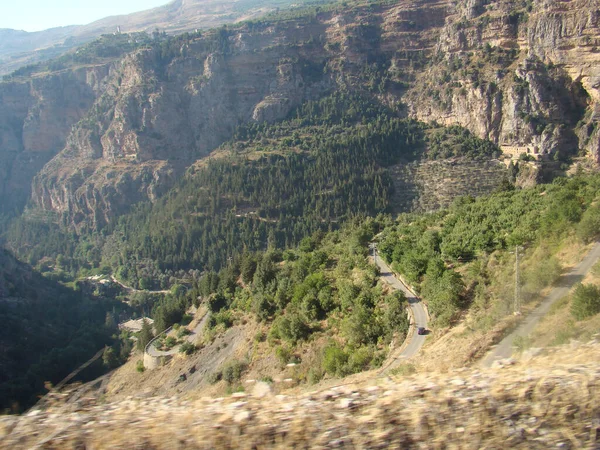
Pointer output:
x,y
505,348
130,289
415,341
191,338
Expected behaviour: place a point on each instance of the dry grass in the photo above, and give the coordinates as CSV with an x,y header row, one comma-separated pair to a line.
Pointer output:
x,y
559,327
548,401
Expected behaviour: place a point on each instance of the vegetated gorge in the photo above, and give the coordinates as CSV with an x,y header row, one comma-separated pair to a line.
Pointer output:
x,y
243,171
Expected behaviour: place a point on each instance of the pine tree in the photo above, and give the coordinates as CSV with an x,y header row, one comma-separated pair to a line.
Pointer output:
x,y
145,335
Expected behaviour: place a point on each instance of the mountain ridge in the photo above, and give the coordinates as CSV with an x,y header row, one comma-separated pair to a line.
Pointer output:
x,y
19,48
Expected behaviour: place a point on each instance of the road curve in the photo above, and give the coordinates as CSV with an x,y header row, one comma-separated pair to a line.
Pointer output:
x,y
504,349
416,341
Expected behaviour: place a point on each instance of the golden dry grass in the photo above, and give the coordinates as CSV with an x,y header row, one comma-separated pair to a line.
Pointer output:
x,y
550,400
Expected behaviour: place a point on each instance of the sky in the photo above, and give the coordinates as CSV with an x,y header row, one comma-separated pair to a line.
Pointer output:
x,y
36,15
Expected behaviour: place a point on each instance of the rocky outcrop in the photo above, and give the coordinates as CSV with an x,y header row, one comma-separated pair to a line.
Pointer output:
x,y
153,121
35,119
524,77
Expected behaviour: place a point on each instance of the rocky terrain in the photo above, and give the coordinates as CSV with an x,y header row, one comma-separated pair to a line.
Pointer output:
x,y
523,75
546,399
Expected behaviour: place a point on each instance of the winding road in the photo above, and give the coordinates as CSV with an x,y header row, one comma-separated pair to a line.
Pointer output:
x,y
130,289
414,341
505,348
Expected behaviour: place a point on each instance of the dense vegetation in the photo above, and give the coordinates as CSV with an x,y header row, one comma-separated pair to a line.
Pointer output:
x,y
322,295
429,250
325,295
270,185
47,331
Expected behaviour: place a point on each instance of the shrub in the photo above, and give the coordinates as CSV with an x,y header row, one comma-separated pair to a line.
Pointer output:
x,y
283,354
220,318
187,348
334,360
183,332
170,342
314,375
403,370
140,366
586,301
360,359
233,371
217,302
293,328
215,377
588,227
186,319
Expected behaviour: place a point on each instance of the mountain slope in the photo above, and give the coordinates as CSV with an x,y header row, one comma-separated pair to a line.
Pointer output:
x,y
171,102
18,48
47,329
521,406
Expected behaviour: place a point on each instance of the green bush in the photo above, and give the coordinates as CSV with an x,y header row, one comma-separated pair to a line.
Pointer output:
x,y
585,301
284,354
334,360
293,328
140,366
589,226
360,359
183,332
221,318
233,371
170,342
187,348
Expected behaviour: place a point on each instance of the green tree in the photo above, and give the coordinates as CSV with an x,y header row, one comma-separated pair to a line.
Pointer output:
x,y
109,358
586,301
145,335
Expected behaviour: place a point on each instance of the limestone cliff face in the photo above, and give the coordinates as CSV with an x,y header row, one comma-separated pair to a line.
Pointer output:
x,y
524,77
522,74
153,121
35,119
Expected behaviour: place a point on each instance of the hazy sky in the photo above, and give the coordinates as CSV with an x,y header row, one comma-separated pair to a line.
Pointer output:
x,y
36,15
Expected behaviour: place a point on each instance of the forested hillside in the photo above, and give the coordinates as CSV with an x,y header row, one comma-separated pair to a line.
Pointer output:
x,y
322,307
271,185
47,331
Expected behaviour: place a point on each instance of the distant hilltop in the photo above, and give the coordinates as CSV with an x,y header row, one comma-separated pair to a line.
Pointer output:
x,y
19,48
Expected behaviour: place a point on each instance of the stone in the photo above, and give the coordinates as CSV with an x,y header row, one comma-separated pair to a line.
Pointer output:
x,y
261,389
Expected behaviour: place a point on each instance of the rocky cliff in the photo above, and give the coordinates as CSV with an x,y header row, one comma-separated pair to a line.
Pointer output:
x,y
36,117
521,74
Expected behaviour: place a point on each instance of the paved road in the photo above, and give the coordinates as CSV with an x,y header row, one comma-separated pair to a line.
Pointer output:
x,y
505,348
420,315
153,351
130,289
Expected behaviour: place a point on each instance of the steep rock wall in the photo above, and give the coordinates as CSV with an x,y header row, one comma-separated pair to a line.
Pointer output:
x,y
523,75
35,119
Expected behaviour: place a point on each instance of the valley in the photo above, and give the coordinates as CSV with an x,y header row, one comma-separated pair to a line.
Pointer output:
x,y
289,198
